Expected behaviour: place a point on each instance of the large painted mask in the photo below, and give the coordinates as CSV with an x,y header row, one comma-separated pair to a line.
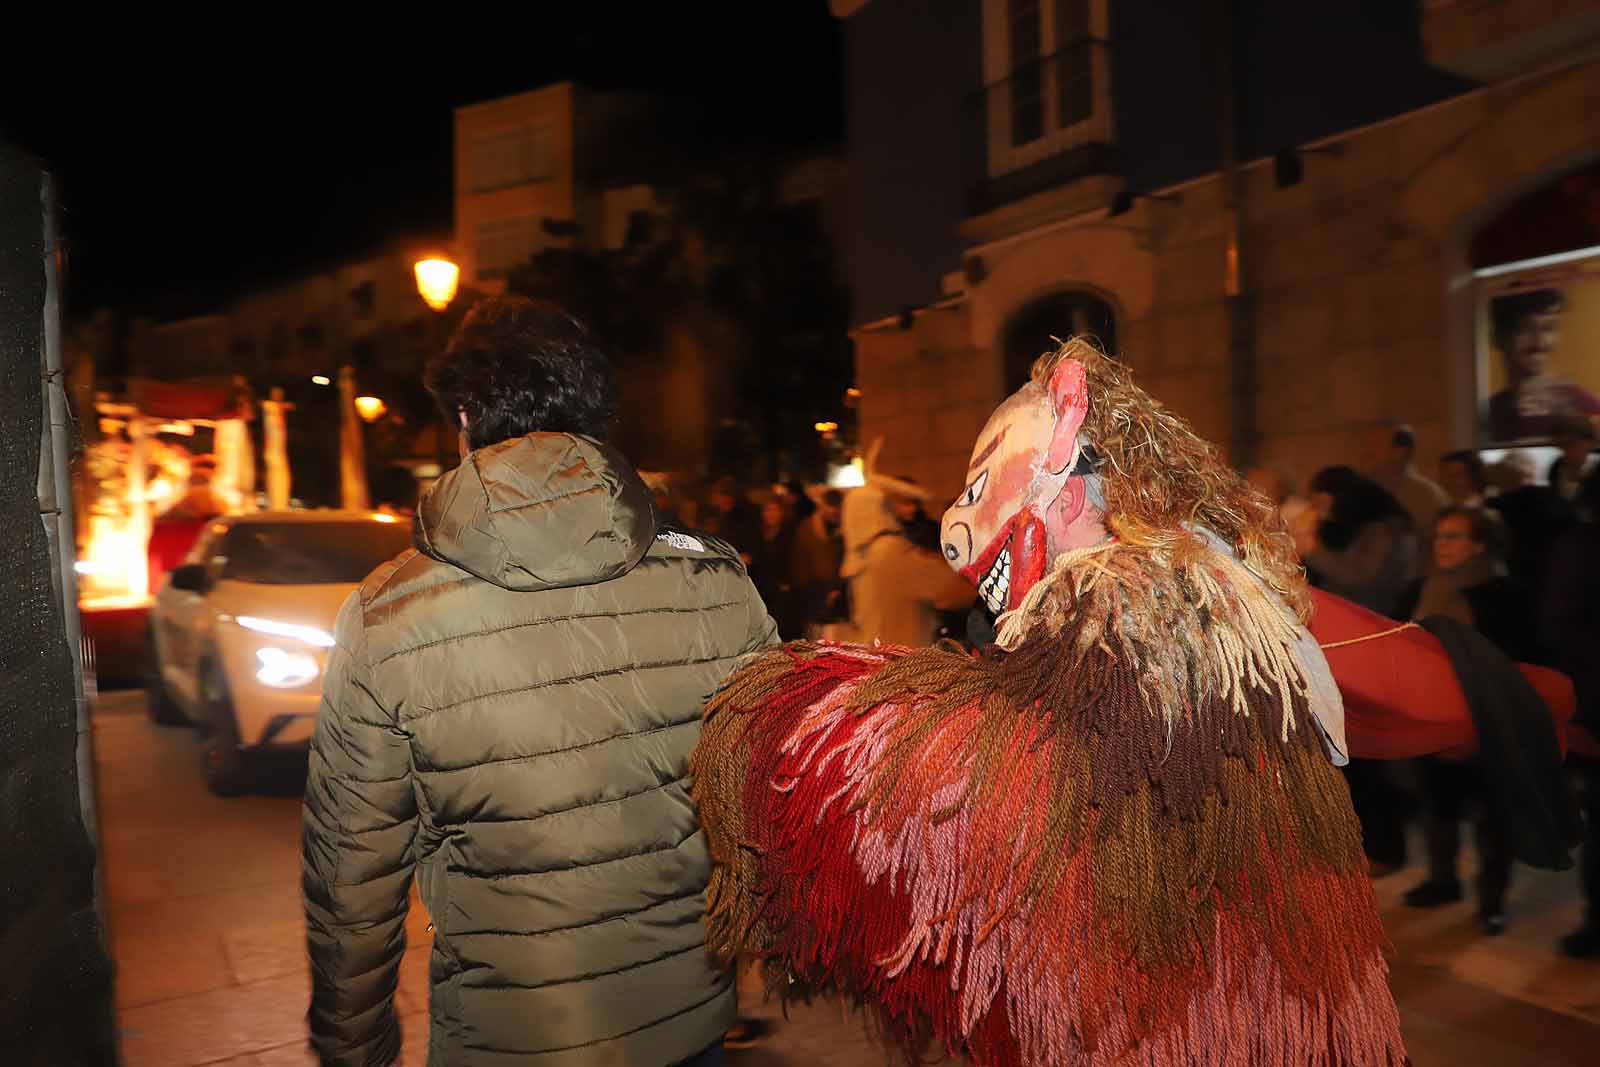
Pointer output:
x,y
1031,490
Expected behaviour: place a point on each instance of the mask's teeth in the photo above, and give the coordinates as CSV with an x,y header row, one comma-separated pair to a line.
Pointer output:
x,y
997,583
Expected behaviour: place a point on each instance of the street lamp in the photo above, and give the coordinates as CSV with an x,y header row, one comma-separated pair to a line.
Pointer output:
x,y
370,408
436,281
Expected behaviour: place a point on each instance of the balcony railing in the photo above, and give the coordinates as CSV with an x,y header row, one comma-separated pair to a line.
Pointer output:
x,y
1046,124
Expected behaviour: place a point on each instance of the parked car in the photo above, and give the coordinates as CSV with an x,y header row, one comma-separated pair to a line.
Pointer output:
x,y
240,633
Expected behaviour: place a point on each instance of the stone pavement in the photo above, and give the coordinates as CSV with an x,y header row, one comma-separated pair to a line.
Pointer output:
x,y
203,910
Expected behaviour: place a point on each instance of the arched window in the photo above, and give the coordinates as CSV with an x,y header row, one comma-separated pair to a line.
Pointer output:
x,y
1028,335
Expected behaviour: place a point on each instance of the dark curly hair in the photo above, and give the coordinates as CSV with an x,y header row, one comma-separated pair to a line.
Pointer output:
x,y
518,366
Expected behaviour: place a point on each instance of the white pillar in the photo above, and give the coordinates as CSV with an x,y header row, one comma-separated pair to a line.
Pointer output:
x,y
275,449
352,451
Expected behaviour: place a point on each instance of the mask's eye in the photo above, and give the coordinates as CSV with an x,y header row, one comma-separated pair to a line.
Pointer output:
x,y
974,492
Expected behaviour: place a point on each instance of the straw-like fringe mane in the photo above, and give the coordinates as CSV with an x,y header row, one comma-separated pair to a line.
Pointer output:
x,y
1199,624
1160,478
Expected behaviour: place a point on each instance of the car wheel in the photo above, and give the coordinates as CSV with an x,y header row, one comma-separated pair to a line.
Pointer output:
x,y
227,766
158,703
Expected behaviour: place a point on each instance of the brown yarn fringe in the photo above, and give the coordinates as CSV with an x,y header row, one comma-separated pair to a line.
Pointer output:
x,y
1114,834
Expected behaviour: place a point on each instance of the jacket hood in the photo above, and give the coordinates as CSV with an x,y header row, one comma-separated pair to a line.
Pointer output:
x,y
539,512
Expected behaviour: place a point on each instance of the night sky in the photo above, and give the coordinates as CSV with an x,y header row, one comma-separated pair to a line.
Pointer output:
x,y
191,171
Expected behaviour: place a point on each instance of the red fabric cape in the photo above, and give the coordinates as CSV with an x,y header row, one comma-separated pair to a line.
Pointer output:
x,y
1401,697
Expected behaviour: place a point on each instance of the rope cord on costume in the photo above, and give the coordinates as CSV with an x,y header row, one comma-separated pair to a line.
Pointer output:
x,y
1371,637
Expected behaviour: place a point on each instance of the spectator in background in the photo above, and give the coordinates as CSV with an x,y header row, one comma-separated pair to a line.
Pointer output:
x,y
1570,626
1575,436
919,529
1356,542
769,566
1391,455
924,533
1464,478
896,588
1466,481
1525,328
1362,546
394,491
1533,516
801,506
1470,585
730,516
814,561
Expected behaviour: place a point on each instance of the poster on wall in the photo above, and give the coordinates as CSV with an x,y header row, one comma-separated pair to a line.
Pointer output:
x,y
1541,328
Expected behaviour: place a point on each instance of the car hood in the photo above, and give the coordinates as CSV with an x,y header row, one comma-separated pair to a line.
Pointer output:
x,y
301,605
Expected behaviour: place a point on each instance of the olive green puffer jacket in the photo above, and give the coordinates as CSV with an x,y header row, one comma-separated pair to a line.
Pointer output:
x,y
508,714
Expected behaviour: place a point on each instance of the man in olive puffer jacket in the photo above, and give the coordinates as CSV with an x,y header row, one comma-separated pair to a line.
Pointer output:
x,y
508,715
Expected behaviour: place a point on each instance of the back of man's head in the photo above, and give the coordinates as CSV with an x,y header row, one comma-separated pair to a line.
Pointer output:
x,y
517,366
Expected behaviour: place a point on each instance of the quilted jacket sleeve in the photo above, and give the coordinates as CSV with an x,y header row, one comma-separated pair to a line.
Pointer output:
x,y
761,629
358,827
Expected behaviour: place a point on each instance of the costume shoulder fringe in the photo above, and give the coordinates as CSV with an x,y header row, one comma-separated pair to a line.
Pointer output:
x,y
1116,841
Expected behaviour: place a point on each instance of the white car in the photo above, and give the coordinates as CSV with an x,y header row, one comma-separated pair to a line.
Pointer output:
x,y
240,633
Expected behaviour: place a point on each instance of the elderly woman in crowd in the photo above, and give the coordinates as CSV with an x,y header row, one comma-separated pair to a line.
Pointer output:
x,y
1470,585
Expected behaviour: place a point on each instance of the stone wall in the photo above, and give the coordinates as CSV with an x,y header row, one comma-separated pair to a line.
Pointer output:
x,y
1362,300
926,391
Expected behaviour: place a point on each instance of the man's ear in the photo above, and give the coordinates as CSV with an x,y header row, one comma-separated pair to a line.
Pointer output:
x,y
1069,400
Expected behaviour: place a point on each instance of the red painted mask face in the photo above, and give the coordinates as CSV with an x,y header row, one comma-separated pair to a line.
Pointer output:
x,y
1023,503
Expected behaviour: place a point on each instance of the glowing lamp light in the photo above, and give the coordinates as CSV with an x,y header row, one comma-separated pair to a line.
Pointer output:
x,y
827,427
436,281
370,408
849,476
378,516
321,379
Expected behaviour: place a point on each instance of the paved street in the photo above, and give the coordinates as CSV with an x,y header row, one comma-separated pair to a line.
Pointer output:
x,y
204,914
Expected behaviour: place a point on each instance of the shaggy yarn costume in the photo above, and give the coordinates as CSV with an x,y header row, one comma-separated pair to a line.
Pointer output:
x,y
1114,838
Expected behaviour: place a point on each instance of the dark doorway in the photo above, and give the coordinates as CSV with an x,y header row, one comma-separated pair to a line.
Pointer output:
x,y
1059,315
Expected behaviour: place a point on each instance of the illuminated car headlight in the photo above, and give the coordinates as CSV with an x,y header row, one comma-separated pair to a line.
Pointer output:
x,y
272,627
283,669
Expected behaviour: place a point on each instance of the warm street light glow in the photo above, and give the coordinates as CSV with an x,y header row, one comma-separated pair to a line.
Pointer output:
x,y
852,392
321,379
370,408
436,281
827,427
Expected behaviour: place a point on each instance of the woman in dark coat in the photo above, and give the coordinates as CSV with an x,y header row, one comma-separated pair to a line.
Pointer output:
x,y
1362,546
1470,585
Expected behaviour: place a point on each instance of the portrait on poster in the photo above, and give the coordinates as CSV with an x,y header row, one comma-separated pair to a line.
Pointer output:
x,y
1542,330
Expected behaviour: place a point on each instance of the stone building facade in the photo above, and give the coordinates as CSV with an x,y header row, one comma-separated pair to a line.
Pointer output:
x,y
1360,300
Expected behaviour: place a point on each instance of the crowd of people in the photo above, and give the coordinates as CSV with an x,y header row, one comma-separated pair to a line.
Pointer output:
x,y
1515,557
876,573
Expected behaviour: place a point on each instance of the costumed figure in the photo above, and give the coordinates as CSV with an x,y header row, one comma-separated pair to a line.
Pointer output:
x,y
1116,834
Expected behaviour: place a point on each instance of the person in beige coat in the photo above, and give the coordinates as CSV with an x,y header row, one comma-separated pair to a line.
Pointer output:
x,y
896,588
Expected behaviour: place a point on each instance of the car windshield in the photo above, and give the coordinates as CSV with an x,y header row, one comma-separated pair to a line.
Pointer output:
x,y
310,553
